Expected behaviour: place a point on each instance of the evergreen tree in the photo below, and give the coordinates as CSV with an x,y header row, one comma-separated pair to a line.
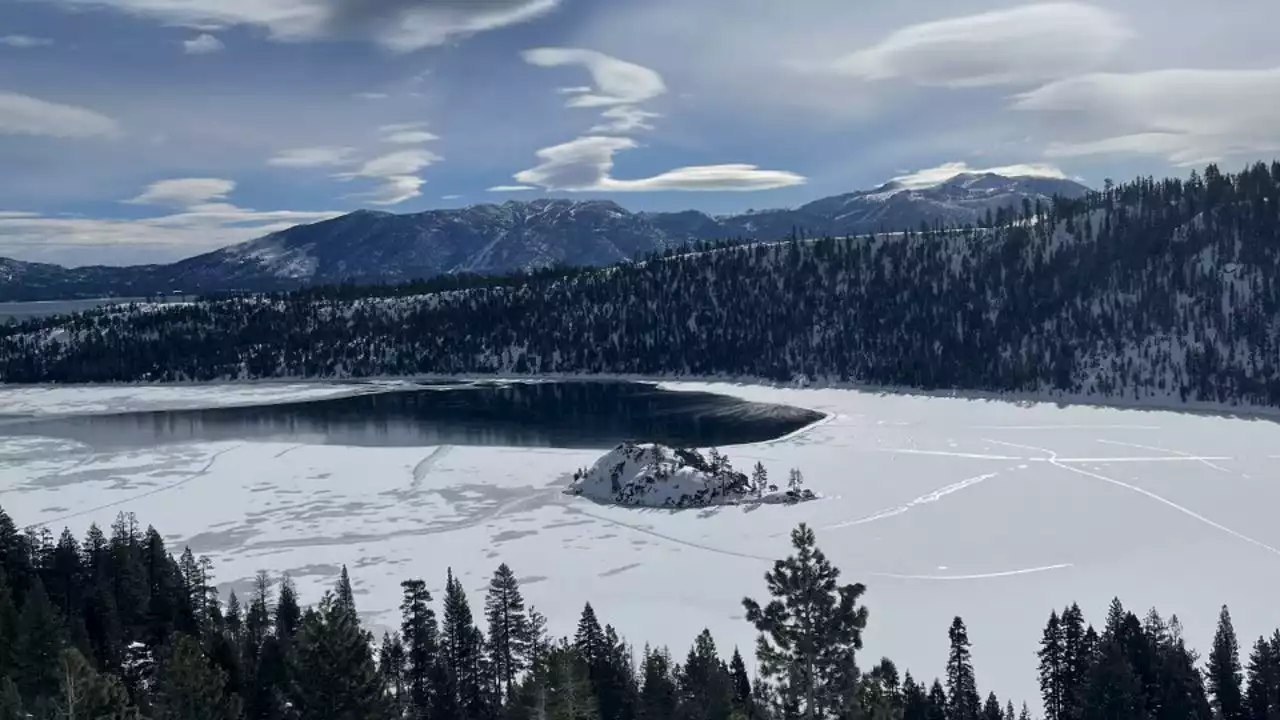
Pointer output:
x,y
391,668
288,613
659,698
991,708
963,701
1263,683
39,645
589,639
811,628
937,702
915,700
346,598
741,684
83,694
508,629
706,690
190,688
1077,654
418,629
11,701
1052,661
1224,672
336,678
568,694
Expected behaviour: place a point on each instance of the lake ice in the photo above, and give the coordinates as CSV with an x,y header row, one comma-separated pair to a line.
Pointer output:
x,y
995,511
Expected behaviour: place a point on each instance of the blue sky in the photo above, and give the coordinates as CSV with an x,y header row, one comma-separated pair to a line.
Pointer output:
x,y
150,130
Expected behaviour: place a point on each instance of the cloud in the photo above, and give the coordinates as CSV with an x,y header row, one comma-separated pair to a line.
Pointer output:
x,y
24,41
929,177
313,157
625,119
202,221
202,44
397,173
619,86
585,164
617,82
372,95
1187,116
511,188
25,115
184,192
1023,45
398,25
410,137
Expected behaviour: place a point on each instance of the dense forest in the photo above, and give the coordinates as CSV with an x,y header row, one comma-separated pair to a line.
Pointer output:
x,y
1161,289
115,627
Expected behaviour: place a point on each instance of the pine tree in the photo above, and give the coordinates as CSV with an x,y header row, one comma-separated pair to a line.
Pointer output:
x,y
419,632
10,700
706,690
1224,672
759,479
1077,654
336,678
658,693
39,646
190,688
391,668
937,702
741,684
462,649
568,693
288,613
508,629
589,639
346,598
963,701
1052,661
915,700
991,708
1263,682
8,628
257,621
811,628
234,618
83,694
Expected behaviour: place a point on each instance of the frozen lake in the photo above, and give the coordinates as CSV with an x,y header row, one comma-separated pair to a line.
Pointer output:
x,y
995,511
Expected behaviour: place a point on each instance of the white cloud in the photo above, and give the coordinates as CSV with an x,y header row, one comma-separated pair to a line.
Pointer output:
x,y
184,192
511,188
930,177
617,82
450,197
1187,116
25,115
1022,45
398,25
24,41
619,86
403,127
372,95
585,164
202,222
202,44
313,157
397,173
410,137
624,119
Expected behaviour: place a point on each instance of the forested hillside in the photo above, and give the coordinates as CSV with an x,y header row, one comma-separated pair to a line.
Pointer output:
x,y
1151,289
115,627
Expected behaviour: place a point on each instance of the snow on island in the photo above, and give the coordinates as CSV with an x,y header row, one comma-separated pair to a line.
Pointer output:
x,y
652,475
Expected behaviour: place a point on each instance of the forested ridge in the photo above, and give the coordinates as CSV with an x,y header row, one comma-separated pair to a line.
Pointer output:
x,y
116,627
1153,289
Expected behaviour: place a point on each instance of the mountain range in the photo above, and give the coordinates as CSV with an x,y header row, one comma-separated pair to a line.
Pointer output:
x,y
379,247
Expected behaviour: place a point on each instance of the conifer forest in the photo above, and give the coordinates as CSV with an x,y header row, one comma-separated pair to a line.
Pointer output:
x,y
1163,290
115,626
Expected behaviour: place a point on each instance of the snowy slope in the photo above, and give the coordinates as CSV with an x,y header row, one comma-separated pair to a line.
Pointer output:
x,y
996,511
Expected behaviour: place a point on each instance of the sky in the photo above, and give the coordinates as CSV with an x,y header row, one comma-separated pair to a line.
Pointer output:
x,y
136,131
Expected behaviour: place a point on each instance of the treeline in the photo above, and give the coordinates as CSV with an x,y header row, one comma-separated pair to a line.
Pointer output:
x,y
115,627
1152,289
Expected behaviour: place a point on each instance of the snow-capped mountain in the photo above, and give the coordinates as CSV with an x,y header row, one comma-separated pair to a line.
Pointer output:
x,y
367,246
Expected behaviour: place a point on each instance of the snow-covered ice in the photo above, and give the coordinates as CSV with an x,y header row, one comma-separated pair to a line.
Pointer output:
x,y
47,400
996,511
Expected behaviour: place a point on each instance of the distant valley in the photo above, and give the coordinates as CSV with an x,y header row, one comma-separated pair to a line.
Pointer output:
x,y
379,247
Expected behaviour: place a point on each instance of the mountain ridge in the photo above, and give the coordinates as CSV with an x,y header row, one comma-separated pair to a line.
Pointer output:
x,y
370,246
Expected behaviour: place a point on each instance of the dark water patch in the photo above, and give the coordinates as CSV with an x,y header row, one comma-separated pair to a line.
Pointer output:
x,y
571,414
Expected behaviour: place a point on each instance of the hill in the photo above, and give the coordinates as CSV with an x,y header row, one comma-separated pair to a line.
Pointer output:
x,y
378,247
1164,290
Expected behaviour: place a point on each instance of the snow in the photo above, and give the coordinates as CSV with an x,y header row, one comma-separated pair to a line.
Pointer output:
x,y
993,510
656,476
49,400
